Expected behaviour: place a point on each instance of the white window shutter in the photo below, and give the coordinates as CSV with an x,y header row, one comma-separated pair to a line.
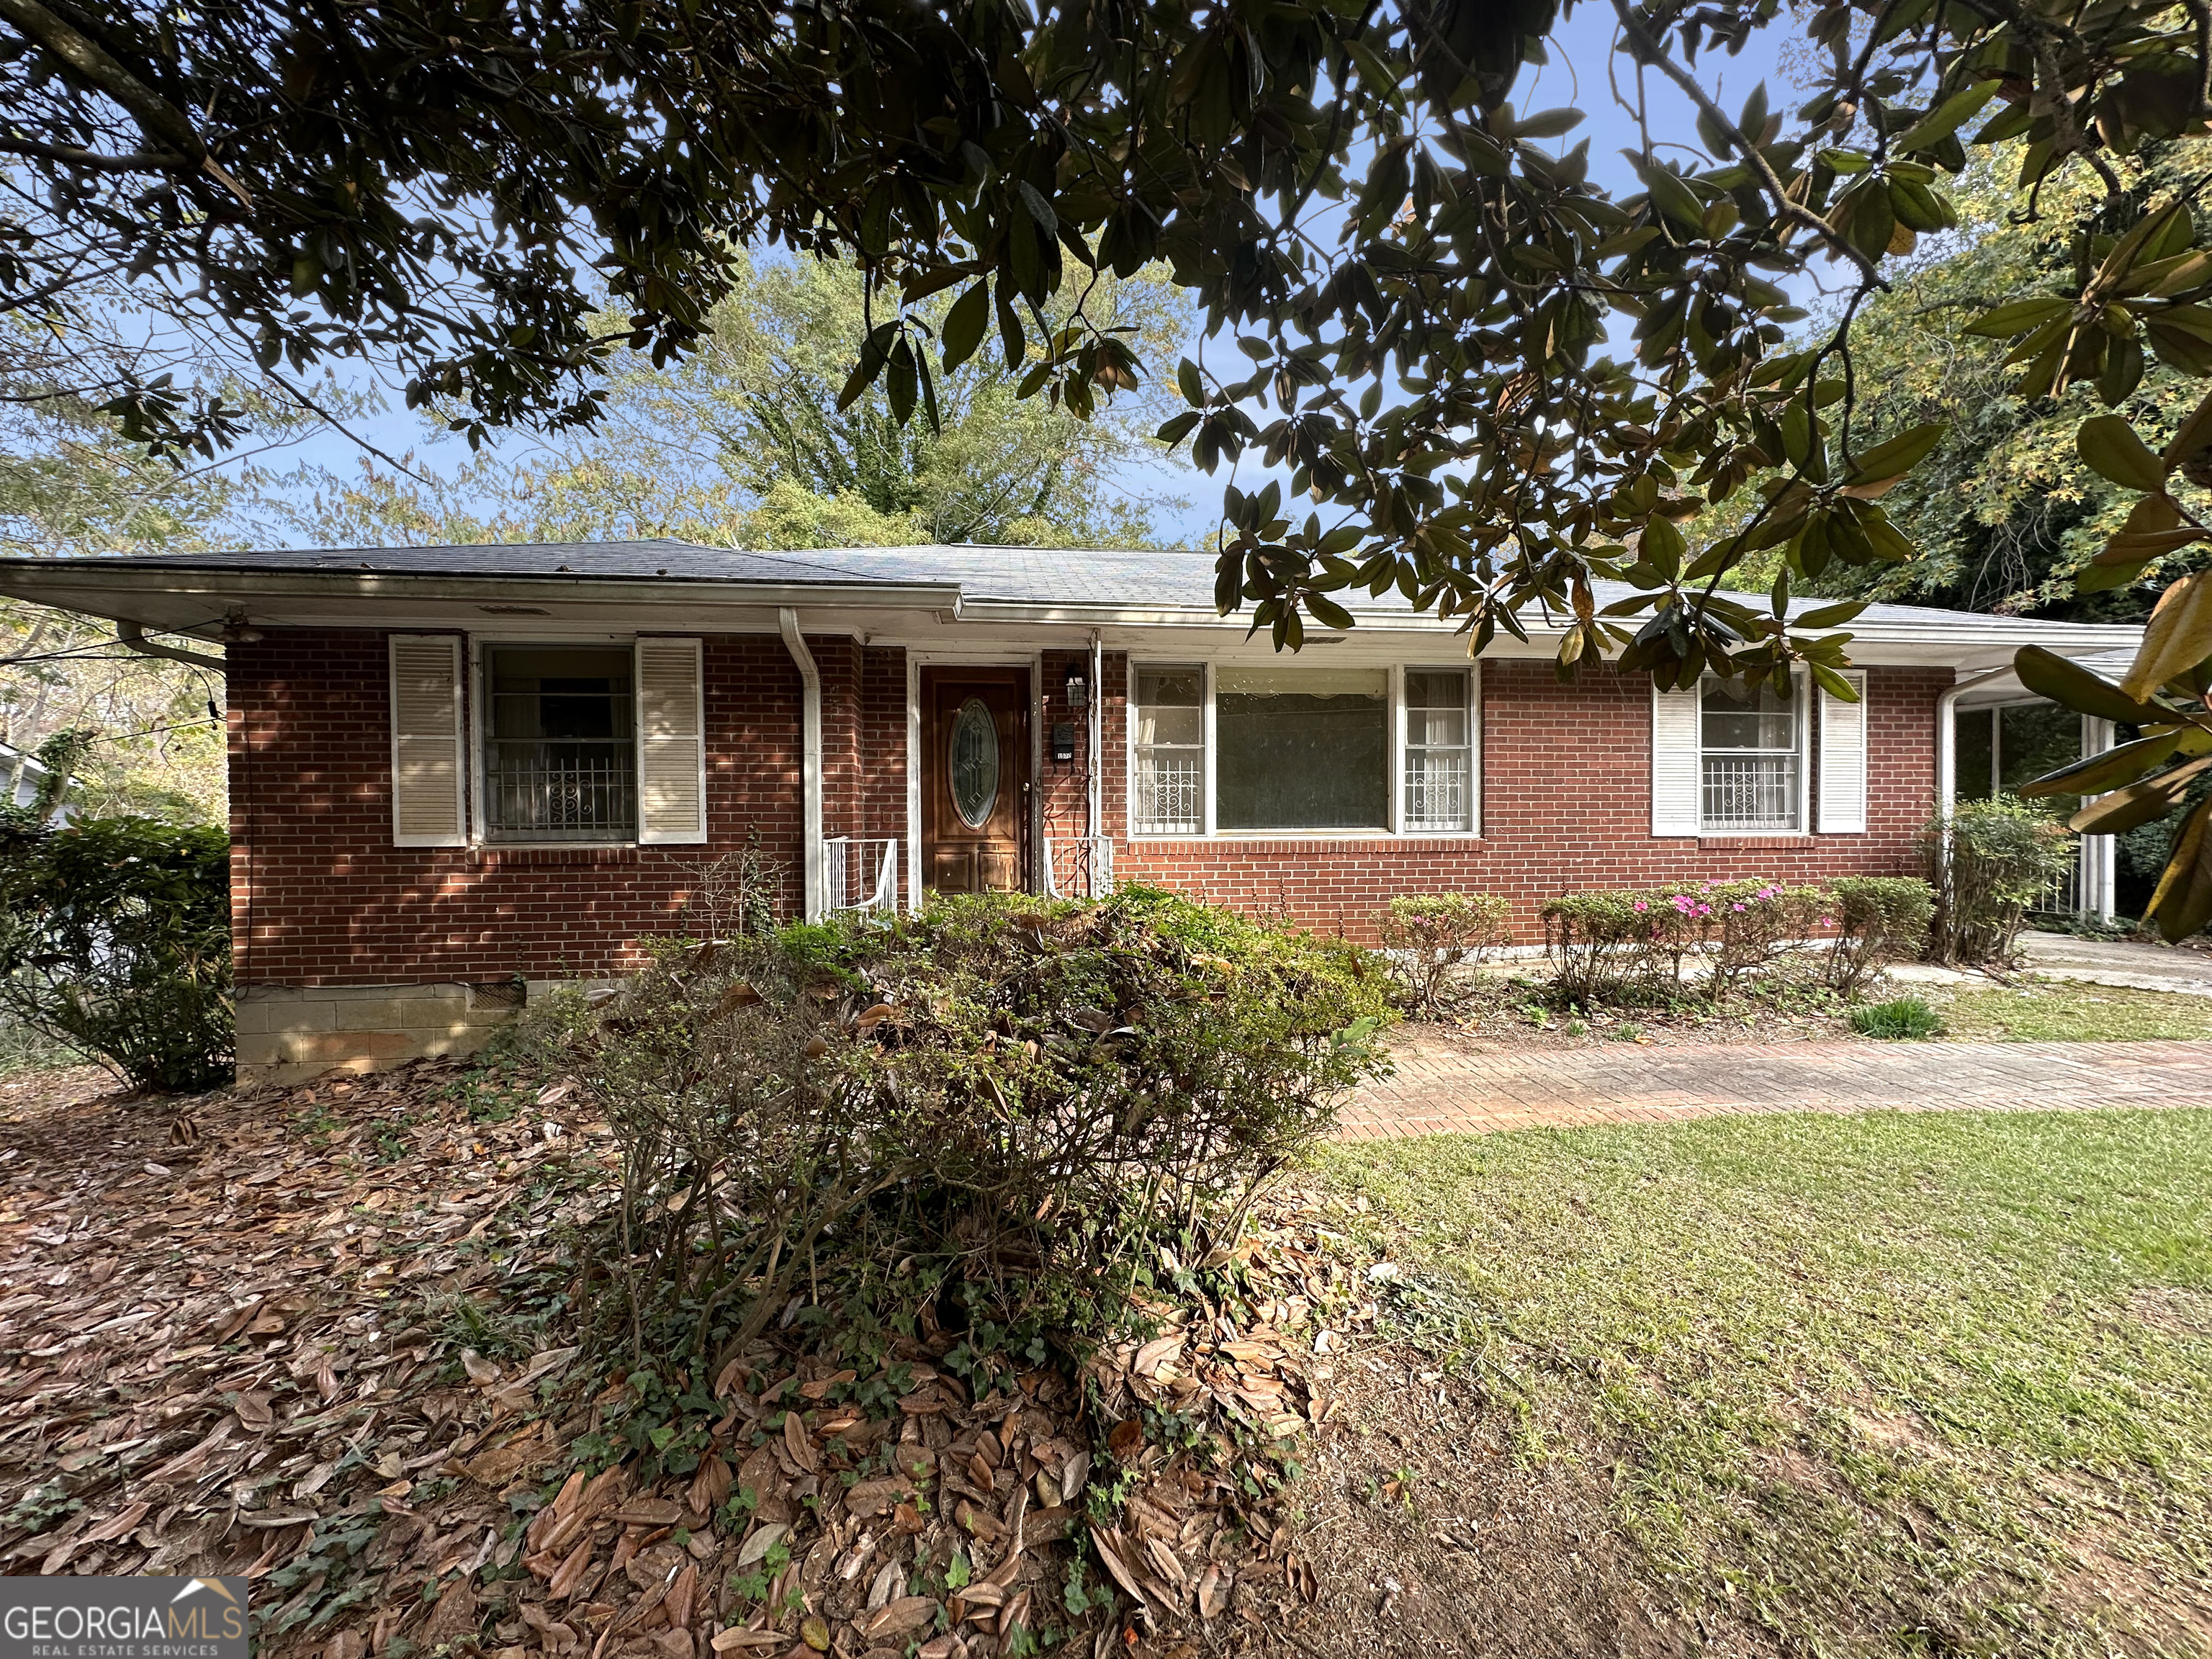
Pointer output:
x,y
672,743
1675,761
427,734
1843,774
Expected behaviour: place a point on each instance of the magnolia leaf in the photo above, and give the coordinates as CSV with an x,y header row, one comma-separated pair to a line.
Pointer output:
x,y
2112,448
1833,683
1831,616
1675,199
2177,638
1662,546
2128,763
2066,682
1945,118
1326,611
2192,438
2137,804
2183,902
2140,547
1887,462
964,324
2017,317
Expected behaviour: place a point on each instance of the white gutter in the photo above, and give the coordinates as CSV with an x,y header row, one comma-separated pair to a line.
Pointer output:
x,y
1947,738
1097,734
809,760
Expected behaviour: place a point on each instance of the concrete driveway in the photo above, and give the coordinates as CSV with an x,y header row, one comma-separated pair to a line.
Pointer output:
x,y
2119,962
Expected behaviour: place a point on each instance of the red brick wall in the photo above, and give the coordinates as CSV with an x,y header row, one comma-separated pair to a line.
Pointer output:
x,y
1566,797
320,896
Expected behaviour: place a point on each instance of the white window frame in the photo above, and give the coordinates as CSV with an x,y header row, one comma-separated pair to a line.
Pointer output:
x,y
1401,747
1395,758
477,664
1205,672
1800,728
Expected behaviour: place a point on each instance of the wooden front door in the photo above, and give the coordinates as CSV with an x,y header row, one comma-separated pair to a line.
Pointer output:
x,y
974,779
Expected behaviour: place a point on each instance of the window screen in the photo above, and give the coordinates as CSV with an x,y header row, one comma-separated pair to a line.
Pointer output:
x,y
1439,751
1169,783
560,746
1752,757
1301,749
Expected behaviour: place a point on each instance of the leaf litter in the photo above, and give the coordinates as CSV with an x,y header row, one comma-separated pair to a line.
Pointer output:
x,y
325,1337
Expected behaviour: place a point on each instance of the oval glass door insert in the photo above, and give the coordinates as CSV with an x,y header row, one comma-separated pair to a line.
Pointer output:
x,y
975,764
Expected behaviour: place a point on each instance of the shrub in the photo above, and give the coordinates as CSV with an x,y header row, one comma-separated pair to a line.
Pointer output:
x,y
1018,1099
1905,1019
1877,919
115,940
1757,923
1430,934
1605,944
1992,861
1609,945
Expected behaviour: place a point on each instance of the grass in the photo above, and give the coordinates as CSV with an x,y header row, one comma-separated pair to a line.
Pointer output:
x,y
1904,1020
1887,1384
2059,1011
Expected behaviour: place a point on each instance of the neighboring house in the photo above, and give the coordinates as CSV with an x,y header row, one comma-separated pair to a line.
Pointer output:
x,y
457,769
29,774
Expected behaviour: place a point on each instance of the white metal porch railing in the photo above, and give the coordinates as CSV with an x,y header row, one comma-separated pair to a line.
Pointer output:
x,y
860,874
1078,867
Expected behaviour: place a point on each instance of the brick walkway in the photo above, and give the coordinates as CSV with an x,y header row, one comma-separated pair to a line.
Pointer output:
x,y
1445,1082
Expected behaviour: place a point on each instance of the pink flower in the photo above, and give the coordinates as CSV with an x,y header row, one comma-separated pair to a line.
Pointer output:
x,y
1827,922
1641,905
1739,907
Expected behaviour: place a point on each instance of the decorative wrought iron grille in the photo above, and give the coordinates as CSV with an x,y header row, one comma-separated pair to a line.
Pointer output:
x,y
1168,785
1753,792
1436,791
561,753
567,791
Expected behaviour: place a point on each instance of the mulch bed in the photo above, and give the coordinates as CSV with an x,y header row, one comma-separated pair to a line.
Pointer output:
x,y
319,1336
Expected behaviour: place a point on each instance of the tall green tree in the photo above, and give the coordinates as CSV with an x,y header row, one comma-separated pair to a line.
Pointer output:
x,y
743,443
136,732
2004,515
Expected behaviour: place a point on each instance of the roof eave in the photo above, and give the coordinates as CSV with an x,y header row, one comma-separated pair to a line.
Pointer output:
x,y
83,585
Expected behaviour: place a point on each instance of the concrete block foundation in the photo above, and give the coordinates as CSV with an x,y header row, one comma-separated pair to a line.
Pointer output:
x,y
289,1033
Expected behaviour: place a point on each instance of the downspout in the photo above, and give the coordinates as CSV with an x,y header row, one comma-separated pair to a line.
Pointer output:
x,y
133,638
810,759
1097,737
1947,738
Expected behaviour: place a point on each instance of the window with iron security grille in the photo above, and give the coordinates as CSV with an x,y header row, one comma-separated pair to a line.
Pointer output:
x,y
560,744
1751,759
1439,765
1167,784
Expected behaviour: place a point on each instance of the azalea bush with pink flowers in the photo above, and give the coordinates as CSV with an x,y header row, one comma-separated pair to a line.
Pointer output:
x,y
1635,945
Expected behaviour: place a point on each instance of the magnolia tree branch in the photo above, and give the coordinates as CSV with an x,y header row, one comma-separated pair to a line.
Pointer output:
x,y
1648,49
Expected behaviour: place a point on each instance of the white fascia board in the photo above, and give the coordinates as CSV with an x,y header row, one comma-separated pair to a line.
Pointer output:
x,y
1948,641
195,599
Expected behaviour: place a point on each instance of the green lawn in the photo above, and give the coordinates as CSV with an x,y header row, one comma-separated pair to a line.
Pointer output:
x,y
1889,1385
2056,1010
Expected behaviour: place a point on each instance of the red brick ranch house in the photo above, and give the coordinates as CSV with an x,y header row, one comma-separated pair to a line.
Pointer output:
x,y
458,771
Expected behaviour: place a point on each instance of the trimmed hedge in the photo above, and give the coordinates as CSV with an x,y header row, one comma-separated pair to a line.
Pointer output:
x,y
1613,944
1430,934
